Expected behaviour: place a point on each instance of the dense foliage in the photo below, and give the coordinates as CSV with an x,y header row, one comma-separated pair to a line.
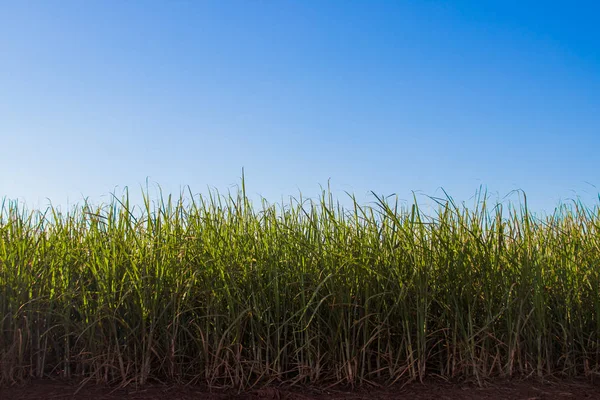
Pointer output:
x,y
215,290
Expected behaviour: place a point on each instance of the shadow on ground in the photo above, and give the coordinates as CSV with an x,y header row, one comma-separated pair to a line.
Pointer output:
x,y
513,390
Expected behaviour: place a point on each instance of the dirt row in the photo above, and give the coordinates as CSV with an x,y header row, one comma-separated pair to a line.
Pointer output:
x,y
526,390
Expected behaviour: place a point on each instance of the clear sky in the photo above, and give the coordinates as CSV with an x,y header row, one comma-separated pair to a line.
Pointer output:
x,y
389,96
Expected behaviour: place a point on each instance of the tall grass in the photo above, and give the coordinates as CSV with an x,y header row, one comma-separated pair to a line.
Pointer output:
x,y
216,290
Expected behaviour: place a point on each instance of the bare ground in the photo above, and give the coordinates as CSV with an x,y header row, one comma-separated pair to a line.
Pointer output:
x,y
432,389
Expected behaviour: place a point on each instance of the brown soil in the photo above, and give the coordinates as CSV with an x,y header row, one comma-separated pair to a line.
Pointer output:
x,y
525,390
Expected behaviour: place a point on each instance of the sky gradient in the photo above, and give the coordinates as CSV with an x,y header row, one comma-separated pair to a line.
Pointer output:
x,y
392,97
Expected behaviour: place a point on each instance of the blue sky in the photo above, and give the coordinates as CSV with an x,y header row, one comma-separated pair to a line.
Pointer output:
x,y
385,96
